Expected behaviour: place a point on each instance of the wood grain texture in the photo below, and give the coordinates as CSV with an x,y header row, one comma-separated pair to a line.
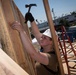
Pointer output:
x,y
10,40
8,66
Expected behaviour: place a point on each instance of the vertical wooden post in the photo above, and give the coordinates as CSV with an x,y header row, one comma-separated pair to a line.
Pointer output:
x,y
51,25
11,42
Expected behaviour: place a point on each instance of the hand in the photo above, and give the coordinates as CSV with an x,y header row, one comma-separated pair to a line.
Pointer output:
x,y
17,26
29,17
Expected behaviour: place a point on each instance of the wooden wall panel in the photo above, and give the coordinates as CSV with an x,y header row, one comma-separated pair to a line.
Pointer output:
x,y
10,39
5,37
22,20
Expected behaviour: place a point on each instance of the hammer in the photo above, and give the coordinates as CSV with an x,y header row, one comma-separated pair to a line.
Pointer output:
x,y
29,6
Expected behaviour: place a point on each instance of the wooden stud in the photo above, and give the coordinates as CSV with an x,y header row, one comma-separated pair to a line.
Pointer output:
x,y
51,25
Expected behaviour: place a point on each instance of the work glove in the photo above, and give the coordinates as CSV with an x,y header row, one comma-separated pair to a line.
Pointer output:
x,y
29,17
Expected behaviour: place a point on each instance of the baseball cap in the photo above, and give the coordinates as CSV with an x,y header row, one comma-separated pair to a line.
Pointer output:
x,y
48,33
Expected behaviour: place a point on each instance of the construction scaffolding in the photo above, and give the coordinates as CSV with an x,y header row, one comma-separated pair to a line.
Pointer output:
x,y
68,52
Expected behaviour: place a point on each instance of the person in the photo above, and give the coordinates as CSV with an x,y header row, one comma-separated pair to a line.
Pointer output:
x,y
46,60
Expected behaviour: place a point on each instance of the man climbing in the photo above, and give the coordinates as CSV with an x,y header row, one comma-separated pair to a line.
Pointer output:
x,y
46,61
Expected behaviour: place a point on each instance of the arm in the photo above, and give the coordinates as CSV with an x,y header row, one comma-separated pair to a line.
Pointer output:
x,y
34,27
38,56
36,31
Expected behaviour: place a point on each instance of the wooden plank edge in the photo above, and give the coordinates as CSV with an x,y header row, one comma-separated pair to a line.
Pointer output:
x,y
9,65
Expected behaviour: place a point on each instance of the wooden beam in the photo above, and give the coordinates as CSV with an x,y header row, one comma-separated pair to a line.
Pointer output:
x,y
8,66
10,39
30,62
5,37
51,25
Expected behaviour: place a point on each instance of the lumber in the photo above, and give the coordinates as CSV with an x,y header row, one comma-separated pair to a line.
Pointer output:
x,y
51,25
25,26
10,40
4,35
8,66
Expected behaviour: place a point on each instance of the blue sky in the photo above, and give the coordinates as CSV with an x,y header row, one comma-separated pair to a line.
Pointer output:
x,y
60,7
